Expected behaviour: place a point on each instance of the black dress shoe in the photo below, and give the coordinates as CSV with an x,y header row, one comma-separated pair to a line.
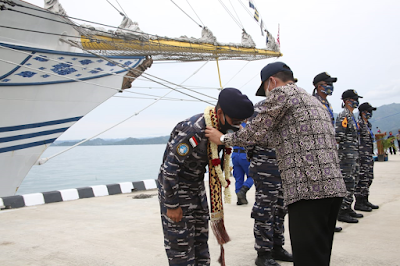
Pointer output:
x,y
354,214
264,261
346,218
338,229
362,207
279,253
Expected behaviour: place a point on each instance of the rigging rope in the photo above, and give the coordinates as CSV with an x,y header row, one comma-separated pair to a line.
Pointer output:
x,y
68,23
111,73
195,12
187,14
116,9
72,43
126,15
233,76
236,13
230,14
165,99
44,160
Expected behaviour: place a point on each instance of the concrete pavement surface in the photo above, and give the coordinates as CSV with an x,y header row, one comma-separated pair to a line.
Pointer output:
x,y
120,230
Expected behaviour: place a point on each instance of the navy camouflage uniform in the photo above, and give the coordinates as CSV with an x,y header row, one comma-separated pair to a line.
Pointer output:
x,y
268,211
366,158
347,136
181,183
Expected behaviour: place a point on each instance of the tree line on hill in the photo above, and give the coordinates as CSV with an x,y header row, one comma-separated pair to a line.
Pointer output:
x,y
386,118
104,142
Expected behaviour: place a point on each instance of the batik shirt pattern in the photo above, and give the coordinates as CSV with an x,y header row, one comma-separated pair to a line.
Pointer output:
x,y
300,130
327,106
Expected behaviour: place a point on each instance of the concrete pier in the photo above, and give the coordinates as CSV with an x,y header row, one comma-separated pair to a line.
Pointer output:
x,y
120,230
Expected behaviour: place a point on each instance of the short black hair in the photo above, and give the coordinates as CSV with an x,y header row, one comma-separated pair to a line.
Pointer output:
x,y
285,76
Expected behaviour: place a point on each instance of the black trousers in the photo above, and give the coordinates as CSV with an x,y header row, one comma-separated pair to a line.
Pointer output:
x,y
311,228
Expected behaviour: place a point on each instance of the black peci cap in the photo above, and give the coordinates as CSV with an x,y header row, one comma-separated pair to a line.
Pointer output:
x,y
366,107
352,94
324,77
270,70
235,104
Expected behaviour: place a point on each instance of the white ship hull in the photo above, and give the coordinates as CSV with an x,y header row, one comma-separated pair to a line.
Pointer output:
x,y
45,87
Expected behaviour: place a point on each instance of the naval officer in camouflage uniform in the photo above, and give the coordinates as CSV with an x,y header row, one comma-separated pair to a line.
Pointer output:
x,y
347,136
366,159
268,211
182,196
323,87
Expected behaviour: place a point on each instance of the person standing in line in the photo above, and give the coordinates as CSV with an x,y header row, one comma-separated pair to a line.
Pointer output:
x,y
181,191
392,147
347,136
398,139
366,159
268,211
240,170
300,130
323,87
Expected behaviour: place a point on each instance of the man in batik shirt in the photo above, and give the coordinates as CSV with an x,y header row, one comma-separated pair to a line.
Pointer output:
x,y
301,132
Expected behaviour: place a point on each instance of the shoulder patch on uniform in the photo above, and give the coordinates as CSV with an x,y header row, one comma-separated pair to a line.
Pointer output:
x,y
194,141
182,149
344,122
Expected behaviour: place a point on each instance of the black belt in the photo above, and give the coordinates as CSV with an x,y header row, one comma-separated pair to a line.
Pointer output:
x,y
239,151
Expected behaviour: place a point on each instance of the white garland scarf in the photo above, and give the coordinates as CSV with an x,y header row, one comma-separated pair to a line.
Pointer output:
x,y
227,157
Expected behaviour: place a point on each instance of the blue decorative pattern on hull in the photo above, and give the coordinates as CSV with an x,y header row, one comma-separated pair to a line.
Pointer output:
x,y
44,67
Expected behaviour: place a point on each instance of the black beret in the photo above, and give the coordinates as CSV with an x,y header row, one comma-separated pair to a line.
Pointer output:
x,y
235,104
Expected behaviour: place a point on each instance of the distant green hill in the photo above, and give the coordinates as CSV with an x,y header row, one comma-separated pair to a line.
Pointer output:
x,y
386,118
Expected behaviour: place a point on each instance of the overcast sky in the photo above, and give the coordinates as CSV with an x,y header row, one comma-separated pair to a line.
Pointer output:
x,y
355,41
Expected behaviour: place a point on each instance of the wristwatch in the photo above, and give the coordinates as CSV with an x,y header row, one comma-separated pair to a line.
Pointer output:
x,y
222,139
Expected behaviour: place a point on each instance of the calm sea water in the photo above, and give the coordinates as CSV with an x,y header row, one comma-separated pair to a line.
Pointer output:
x,y
93,165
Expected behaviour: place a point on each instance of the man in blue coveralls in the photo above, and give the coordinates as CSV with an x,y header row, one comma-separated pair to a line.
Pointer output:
x,y
240,169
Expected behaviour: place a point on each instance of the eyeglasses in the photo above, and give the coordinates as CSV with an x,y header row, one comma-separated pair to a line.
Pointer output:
x,y
236,122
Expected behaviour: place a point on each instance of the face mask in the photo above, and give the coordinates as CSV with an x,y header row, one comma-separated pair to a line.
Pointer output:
x,y
228,128
328,89
268,92
354,104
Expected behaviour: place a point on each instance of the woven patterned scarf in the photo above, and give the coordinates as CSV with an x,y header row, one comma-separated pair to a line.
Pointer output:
x,y
217,180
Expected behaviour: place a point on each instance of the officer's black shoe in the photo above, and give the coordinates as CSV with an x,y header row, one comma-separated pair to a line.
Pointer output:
x,y
354,214
344,216
241,196
338,229
369,204
360,205
266,260
279,253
